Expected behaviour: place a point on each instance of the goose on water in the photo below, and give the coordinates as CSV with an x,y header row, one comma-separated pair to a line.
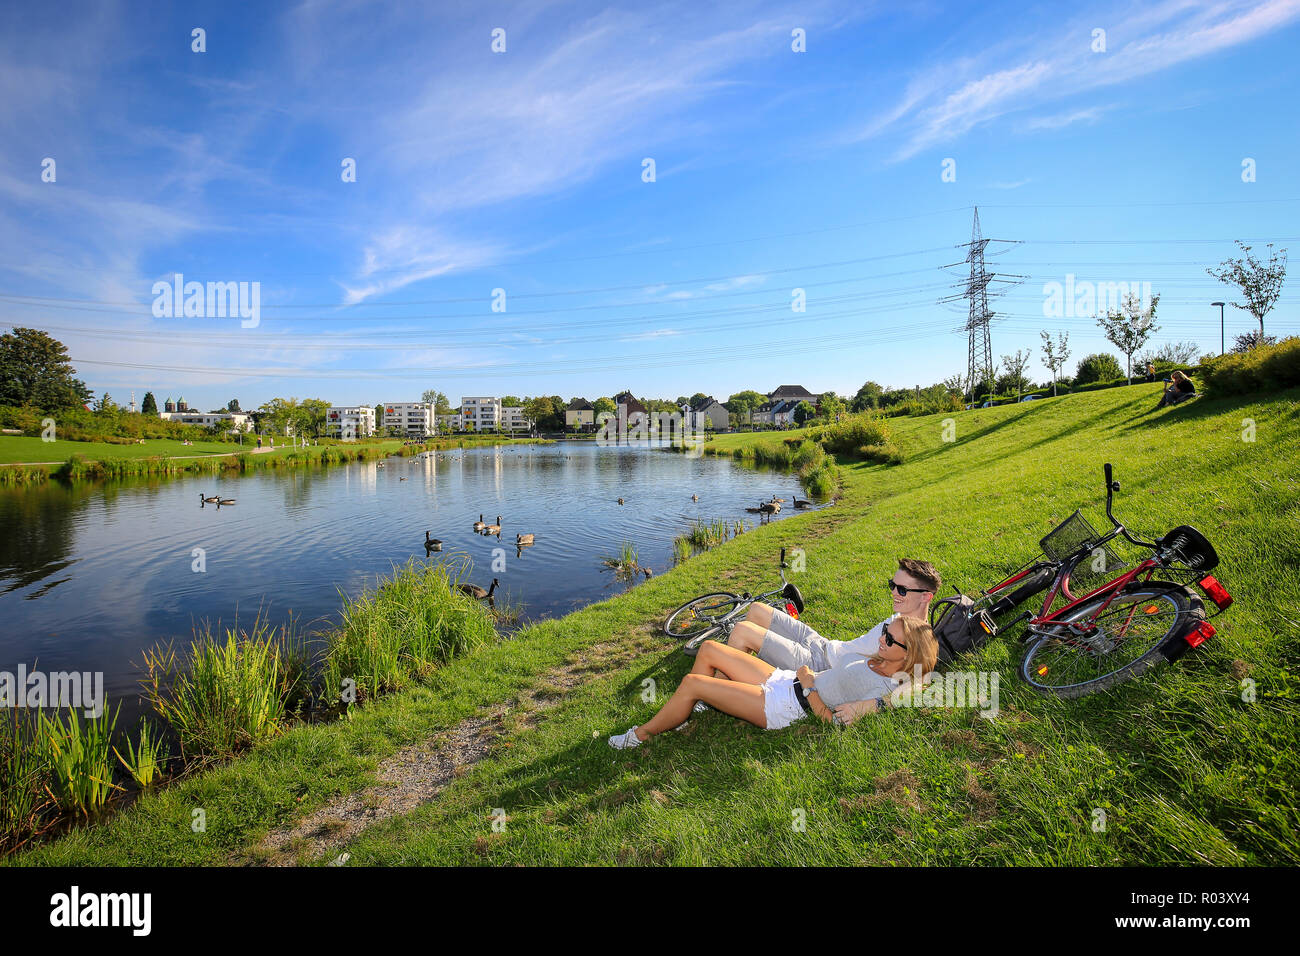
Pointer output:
x,y
523,539
474,591
212,500
225,501
432,544
479,525
493,528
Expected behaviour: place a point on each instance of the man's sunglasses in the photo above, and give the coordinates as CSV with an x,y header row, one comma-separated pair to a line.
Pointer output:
x,y
889,639
895,586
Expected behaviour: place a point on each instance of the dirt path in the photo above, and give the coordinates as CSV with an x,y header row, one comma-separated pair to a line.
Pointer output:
x,y
416,774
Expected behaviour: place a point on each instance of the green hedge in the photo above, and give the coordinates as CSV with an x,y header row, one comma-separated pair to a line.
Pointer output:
x,y
1266,368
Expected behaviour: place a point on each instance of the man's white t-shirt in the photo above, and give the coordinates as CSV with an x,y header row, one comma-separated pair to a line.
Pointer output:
x,y
839,652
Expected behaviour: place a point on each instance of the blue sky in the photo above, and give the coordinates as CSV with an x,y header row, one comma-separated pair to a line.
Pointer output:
x,y
522,171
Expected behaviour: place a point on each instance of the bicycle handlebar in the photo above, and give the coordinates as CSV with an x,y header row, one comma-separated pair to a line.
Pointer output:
x,y
1111,487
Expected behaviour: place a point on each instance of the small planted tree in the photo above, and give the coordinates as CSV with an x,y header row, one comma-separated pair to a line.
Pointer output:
x,y
1129,327
1055,354
1015,366
1260,282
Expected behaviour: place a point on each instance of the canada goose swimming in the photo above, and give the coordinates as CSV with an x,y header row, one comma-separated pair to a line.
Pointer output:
x,y
211,500
479,525
801,503
474,591
225,501
755,511
769,508
620,500
779,501
523,539
493,528
695,497
432,544
401,479
648,573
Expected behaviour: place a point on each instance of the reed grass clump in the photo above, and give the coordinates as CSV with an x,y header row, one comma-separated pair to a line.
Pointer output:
x,y
400,633
24,778
225,695
77,758
144,762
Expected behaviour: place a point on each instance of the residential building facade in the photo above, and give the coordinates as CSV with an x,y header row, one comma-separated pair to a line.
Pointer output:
x,y
480,413
580,415
708,413
411,419
350,422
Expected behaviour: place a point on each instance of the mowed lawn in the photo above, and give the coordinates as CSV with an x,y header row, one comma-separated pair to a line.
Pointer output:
x,y
1193,763
21,448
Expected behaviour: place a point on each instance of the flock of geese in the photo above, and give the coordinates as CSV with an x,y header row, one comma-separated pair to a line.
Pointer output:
x,y
214,500
772,507
431,544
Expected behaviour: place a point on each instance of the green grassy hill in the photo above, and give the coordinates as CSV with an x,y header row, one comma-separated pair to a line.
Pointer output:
x,y
1186,766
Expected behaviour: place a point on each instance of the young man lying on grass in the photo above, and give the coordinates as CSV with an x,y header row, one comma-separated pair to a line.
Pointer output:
x,y
786,643
773,698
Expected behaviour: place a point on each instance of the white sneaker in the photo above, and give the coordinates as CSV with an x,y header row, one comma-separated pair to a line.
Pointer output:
x,y
700,707
625,741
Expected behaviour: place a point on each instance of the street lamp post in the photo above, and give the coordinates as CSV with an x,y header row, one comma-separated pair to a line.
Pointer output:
x,y
1220,305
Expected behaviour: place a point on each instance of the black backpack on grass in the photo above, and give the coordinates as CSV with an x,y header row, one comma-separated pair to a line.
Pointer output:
x,y
958,628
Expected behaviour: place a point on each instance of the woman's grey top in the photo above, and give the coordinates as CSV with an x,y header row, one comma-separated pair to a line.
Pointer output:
x,y
852,679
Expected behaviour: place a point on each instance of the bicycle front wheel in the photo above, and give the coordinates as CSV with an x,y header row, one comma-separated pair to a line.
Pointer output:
x,y
694,618
1125,643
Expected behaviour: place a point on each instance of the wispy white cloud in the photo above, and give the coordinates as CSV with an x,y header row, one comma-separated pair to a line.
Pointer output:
x,y
1068,118
948,100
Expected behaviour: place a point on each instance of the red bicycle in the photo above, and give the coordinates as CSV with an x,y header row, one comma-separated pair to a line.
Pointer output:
x,y
1119,627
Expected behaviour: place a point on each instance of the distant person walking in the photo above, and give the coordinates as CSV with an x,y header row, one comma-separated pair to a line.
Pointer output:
x,y
259,442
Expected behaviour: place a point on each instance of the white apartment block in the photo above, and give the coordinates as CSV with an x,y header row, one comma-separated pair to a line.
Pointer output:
x,y
350,422
480,413
237,421
512,419
412,419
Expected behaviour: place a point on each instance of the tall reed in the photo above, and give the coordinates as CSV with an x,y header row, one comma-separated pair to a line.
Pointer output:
x,y
400,633
225,696
78,758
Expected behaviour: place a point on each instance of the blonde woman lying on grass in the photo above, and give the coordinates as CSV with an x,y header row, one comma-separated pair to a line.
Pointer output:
x,y
771,698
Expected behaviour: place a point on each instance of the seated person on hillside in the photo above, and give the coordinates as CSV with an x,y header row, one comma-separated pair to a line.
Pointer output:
x,y
1179,388
772,699
783,642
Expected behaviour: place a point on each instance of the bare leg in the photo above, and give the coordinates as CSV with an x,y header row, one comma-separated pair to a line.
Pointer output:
x,y
728,663
732,697
747,637
760,614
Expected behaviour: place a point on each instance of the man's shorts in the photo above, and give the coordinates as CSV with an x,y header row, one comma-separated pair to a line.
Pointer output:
x,y
780,706
790,644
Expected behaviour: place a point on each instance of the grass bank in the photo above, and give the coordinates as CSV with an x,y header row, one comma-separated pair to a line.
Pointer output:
x,y
1194,763
96,460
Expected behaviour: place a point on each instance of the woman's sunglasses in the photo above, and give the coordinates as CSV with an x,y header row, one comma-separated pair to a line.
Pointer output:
x,y
889,639
895,586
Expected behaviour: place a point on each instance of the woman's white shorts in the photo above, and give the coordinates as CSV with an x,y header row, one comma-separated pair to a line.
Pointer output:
x,y
780,705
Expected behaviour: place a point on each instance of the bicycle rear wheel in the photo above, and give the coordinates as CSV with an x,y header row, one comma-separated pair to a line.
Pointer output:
x,y
1126,642
702,614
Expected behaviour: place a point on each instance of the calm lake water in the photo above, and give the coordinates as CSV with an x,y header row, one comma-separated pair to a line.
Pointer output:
x,y
91,575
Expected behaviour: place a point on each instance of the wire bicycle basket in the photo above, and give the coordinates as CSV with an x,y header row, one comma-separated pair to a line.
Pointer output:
x,y
1075,535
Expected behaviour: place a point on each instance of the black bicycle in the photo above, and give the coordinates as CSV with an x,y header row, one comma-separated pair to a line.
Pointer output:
x,y
710,615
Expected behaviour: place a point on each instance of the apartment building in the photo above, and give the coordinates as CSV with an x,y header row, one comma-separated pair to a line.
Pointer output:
x,y
410,419
481,413
350,422
512,419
